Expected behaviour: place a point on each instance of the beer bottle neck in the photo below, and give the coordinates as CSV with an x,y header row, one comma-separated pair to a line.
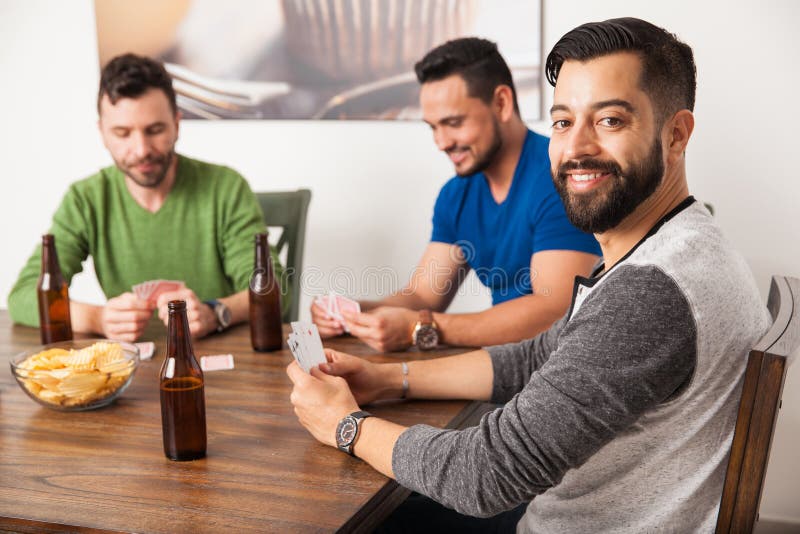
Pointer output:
x,y
263,260
49,257
179,343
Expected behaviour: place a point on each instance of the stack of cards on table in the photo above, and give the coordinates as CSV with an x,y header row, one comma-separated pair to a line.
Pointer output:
x,y
335,304
306,345
146,349
152,289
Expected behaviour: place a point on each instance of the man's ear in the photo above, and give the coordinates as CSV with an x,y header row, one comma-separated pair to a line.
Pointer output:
x,y
100,130
504,102
178,117
681,126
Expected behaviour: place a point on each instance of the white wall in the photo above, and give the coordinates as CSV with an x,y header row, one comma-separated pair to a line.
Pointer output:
x,y
374,184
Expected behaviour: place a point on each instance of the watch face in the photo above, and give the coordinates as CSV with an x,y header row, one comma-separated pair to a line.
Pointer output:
x,y
427,337
225,315
346,432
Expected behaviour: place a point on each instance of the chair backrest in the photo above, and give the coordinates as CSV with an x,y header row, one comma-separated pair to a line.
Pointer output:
x,y
288,210
758,409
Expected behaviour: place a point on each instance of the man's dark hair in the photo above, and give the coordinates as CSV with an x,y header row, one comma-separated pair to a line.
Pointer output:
x,y
668,73
130,76
476,60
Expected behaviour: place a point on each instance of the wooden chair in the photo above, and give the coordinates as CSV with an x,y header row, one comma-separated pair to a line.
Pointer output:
x,y
758,409
288,210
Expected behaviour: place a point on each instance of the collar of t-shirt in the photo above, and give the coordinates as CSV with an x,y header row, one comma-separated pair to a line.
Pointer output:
x,y
583,287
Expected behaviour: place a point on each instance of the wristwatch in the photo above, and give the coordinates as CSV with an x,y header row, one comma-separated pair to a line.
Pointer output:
x,y
221,312
426,332
347,430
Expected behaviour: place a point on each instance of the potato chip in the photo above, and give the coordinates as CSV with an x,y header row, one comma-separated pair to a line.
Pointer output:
x,y
76,377
79,359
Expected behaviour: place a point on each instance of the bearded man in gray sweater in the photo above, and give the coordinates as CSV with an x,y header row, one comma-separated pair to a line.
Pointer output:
x,y
620,416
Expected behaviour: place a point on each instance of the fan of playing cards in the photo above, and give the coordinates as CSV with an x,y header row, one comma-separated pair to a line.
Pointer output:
x,y
152,289
335,304
306,345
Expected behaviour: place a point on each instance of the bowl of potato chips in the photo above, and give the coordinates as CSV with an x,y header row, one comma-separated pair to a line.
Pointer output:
x,y
76,375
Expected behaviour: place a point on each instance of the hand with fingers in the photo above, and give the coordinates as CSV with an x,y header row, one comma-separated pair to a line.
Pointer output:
x,y
367,381
385,328
125,317
327,325
320,401
202,320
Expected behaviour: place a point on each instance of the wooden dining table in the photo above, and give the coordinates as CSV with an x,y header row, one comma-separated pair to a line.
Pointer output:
x,y
104,470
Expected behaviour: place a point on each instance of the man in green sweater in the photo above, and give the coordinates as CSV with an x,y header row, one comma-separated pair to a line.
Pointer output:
x,y
153,215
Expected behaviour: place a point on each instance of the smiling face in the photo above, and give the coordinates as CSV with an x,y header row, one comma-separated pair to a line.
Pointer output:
x,y
140,133
605,150
464,127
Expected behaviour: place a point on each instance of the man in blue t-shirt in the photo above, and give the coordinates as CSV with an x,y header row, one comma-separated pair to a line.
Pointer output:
x,y
500,216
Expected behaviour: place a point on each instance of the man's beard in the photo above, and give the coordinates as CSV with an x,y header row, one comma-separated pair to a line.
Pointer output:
x,y
605,207
151,179
487,158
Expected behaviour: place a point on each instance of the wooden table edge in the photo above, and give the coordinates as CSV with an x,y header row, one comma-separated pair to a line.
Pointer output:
x,y
34,526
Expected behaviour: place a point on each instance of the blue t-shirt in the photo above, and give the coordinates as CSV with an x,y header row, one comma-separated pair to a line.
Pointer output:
x,y
498,240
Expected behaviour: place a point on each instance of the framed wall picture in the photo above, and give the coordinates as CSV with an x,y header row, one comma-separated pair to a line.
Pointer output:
x,y
314,59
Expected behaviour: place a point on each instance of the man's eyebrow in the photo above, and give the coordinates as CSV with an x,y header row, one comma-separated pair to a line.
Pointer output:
x,y
627,106
446,119
615,102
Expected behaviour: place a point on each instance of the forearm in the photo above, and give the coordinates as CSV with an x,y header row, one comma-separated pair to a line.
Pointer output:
x,y
401,299
86,318
464,376
517,319
375,443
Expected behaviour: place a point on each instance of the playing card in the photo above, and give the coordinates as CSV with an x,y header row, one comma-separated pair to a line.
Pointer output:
x,y
164,286
297,330
142,291
316,353
294,347
333,309
146,349
151,289
216,362
308,352
345,304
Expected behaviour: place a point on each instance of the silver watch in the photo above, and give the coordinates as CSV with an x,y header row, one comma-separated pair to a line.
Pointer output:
x,y
221,312
347,430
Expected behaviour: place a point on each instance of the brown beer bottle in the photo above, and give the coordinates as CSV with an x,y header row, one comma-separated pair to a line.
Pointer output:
x,y
265,300
53,295
183,403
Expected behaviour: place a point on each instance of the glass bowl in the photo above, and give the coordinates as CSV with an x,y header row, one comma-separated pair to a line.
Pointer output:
x,y
76,375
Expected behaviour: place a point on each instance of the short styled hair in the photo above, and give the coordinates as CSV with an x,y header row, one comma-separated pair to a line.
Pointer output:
x,y
669,76
130,76
476,60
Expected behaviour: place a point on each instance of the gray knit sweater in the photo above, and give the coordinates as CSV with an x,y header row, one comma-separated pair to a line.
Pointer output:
x,y
619,418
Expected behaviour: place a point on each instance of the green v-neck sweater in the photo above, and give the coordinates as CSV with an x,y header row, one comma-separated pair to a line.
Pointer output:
x,y
202,234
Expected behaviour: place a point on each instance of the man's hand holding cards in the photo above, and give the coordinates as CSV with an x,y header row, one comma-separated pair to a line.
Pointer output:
x,y
306,345
158,293
150,291
327,311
